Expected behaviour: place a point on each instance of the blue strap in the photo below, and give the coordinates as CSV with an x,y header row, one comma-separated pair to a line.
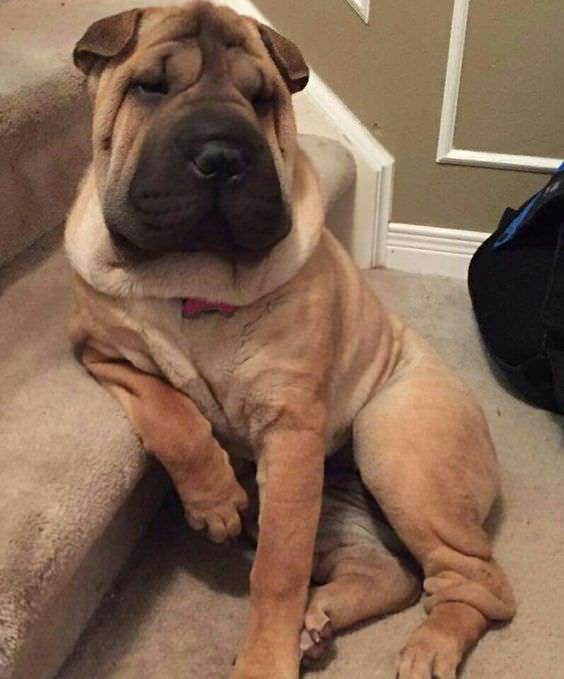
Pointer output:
x,y
514,226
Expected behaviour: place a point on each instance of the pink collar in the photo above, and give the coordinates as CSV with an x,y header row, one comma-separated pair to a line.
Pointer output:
x,y
194,307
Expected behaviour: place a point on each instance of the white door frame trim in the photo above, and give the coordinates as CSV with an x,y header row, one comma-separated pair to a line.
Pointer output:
x,y
362,8
446,151
376,157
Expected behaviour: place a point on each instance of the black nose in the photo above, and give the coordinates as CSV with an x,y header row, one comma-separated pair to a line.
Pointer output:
x,y
219,159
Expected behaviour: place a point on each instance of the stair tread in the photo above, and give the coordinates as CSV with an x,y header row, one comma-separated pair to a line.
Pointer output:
x,y
68,457
37,38
334,163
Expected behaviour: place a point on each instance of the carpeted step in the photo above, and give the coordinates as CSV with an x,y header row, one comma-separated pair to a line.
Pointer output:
x,y
75,493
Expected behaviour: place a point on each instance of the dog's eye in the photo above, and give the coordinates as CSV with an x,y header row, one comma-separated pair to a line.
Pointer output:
x,y
158,88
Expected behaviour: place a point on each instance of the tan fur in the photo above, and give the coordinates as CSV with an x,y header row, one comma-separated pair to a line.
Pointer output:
x,y
309,361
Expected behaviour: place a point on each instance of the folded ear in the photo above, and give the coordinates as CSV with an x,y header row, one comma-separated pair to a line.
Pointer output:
x,y
287,57
106,38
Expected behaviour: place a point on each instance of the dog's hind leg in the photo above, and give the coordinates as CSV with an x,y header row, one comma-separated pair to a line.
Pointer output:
x,y
362,569
424,451
362,582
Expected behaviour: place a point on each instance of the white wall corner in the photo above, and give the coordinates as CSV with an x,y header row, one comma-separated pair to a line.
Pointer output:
x,y
431,250
320,111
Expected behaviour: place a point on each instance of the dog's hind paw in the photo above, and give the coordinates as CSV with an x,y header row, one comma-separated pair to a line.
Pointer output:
x,y
316,635
428,656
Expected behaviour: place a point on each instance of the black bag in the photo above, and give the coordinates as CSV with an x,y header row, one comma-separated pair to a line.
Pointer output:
x,y
516,282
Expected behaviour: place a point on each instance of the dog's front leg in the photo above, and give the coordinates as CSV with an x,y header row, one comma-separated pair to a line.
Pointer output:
x,y
290,477
173,429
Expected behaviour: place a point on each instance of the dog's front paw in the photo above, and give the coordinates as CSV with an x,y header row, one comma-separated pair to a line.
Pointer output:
x,y
219,515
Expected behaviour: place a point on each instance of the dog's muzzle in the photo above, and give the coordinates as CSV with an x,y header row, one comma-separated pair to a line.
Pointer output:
x,y
205,180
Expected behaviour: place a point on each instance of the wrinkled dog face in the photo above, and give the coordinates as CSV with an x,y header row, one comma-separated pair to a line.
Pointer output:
x,y
194,135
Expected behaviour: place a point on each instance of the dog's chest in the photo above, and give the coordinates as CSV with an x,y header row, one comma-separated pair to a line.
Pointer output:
x,y
262,358
217,360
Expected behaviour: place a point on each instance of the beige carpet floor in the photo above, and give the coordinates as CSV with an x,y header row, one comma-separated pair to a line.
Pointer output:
x,y
179,606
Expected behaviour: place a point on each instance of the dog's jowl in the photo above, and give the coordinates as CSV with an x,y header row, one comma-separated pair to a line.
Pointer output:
x,y
227,321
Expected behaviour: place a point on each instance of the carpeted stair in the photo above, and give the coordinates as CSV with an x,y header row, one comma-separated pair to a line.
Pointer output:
x,y
76,490
77,493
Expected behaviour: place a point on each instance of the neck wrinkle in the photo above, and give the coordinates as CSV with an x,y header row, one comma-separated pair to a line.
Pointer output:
x,y
194,275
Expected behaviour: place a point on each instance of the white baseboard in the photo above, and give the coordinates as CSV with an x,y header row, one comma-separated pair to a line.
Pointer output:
x,y
320,111
431,250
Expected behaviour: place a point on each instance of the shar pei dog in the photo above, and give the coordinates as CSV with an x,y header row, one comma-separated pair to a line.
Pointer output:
x,y
213,303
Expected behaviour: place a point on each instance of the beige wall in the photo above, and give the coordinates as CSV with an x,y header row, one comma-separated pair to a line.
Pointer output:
x,y
391,74
512,94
